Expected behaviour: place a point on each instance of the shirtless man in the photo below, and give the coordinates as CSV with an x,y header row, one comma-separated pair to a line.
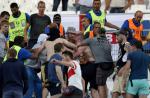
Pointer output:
x,y
49,46
87,66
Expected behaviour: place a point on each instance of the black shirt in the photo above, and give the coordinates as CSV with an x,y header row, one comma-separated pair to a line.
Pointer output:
x,y
13,76
38,24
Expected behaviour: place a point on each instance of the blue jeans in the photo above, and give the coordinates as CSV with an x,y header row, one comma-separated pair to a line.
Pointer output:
x,y
35,84
13,94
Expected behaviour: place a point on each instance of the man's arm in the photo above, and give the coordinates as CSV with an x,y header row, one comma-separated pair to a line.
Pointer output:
x,y
69,44
83,43
108,24
36,52
125,69
107,4
69,64
25,32
60,75
128,5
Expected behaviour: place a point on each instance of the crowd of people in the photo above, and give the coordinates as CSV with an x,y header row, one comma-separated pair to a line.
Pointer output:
x,y
70,60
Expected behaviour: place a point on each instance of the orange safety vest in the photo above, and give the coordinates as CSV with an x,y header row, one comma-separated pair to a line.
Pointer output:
x,y
137,30
91,34
61,29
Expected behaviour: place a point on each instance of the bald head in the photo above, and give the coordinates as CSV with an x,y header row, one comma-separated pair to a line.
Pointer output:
x,y
138,15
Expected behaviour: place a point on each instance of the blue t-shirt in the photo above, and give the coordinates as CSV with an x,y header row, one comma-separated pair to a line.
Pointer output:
x,y
139,65
98,13
125,26
52,76
24,54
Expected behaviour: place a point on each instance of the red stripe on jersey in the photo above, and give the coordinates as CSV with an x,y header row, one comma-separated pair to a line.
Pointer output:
x,y
71,72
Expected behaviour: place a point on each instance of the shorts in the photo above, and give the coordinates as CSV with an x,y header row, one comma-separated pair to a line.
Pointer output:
x,y
54,88
140,87
89,74
103,71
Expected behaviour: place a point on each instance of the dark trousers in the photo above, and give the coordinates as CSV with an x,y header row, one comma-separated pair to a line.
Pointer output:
x,y
57,2
117,10
13,94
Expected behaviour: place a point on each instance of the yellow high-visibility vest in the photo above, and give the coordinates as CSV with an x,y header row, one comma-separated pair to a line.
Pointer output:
x,y
16,27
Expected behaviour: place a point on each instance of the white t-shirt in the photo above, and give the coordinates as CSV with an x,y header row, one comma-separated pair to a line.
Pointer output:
x,y
74,76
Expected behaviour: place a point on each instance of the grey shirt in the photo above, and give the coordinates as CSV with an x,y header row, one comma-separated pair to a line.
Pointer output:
x,y
2,45
41,59
101,49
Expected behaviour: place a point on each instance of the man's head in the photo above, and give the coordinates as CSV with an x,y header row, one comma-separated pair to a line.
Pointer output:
x,y
57,19
96,5
135,44
4,15
122,36
14,8
96,28
19,40
85,22
67,55
71,32
138,15
59,47
4,26
41,7
12,53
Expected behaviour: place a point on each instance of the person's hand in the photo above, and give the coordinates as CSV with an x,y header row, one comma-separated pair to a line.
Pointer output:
x,y
53,25
54,61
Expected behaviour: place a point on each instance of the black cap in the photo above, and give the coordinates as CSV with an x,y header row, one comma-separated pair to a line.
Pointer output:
x,y
57,17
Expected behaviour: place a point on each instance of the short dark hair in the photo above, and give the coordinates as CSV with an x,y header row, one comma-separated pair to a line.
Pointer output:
x,y
58,47
14,5
136,43
57,17
96,22
68,53
41,2
12,53
4,22
3,13
18,40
